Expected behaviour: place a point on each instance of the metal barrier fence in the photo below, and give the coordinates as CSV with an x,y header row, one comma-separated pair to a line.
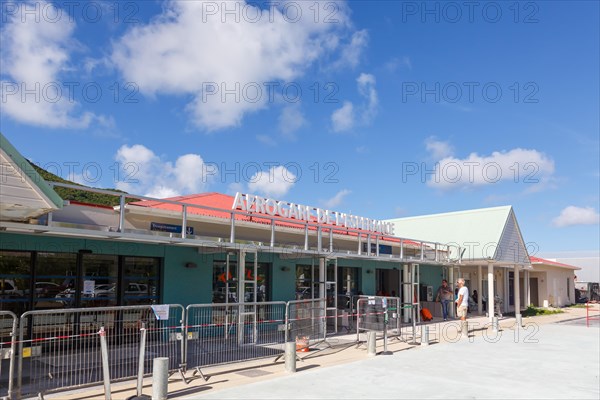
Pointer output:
x,y
378,313
8,339
60,349
227,333
306,322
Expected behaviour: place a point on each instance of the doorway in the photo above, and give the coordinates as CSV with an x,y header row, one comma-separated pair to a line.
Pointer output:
x,y
533,296
387,282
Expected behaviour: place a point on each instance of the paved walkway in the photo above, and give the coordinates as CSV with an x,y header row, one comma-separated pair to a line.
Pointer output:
x,y
555,356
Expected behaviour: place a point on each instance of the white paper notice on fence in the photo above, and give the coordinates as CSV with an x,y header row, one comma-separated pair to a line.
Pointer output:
x,y
161,311
88,287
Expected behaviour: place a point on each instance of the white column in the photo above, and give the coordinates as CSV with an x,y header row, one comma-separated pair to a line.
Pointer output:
x,y
452,284
490,297
527,289
406,292
505,299
517,290
241,293
479,291
322,278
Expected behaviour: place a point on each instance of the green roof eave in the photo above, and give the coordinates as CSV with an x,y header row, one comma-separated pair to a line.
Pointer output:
x,y
30,172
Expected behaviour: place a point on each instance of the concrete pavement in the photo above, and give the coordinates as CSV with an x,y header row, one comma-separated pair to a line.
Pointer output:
x,y
555,361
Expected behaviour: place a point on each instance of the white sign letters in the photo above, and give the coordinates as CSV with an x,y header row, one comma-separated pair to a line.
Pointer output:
x,y
263,205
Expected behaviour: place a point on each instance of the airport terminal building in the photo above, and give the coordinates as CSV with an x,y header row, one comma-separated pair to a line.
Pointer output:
x,y
217,248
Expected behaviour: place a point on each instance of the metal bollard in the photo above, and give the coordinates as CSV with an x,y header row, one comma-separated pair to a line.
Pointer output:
x,y
160,377
519,319
464,327
371,343
425,336
140,381
290,356
105,368
495,324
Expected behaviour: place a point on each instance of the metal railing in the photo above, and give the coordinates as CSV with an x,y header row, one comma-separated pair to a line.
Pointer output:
x,y
60,349
219,334
306,322
378,313
65,349
420,249
8,340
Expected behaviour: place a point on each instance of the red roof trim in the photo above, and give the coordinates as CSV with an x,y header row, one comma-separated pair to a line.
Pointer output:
x,y
539,260
224,202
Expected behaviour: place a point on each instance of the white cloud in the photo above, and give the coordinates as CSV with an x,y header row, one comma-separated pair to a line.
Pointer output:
x,y
523,166
267,140
438,149
33,57
336,200
290,120
573,215
366,88
395,63
352,52
343,118
183,50
149,175
273,183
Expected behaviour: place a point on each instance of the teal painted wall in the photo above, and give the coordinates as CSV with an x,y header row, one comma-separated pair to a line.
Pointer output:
x,y
431,275
181,285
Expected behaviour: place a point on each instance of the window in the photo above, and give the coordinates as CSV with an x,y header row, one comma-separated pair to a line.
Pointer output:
x,y
140,280
45,280
15,272
348,281
55,281
225,282
100,278
307,286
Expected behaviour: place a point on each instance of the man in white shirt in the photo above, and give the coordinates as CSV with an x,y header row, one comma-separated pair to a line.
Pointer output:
x,y
462,300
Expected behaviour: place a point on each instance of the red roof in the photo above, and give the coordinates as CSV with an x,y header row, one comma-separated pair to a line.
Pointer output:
x,y
223,203
538,260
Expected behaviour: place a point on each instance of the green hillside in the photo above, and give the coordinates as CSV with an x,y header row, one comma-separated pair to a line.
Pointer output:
x,y
79,195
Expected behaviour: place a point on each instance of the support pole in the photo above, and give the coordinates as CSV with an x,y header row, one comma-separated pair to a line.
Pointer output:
x,y
290,356
140,378
464,327
371,343
479,290
490,297
105,368
425,336
517,294
160,377
527,289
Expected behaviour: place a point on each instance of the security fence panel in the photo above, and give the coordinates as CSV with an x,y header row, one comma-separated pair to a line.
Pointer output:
x,y
60,349
306,321
8,333
379,314
227,333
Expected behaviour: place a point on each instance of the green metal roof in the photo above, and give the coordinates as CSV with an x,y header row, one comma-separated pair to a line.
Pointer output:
x,y
483,234
22,187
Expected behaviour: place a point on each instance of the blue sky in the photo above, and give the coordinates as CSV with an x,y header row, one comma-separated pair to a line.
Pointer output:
x,y
382,109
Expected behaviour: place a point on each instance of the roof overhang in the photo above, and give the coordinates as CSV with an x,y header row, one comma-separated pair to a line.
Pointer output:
x,y
25,194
